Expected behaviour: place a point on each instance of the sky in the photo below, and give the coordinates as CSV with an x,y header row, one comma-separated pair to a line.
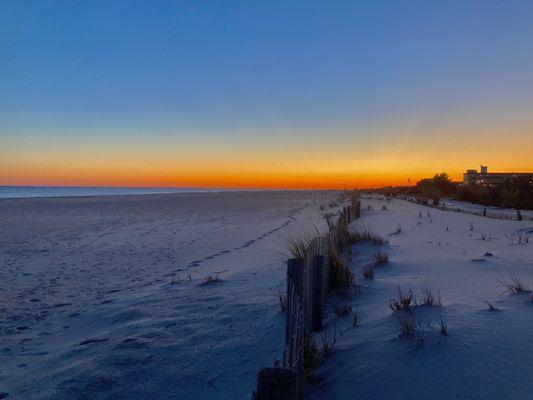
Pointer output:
x,y
252,94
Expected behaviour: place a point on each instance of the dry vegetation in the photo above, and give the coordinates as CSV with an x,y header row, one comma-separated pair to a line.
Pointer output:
x,y
381,258
314,356
430,296
407,324
403,302
512,282
366,234
297,246
341,279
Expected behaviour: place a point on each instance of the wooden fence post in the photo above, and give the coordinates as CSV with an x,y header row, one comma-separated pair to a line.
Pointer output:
x,y
276,384
318,295
295,282
295,270
349,213
358,209
519,215
484,211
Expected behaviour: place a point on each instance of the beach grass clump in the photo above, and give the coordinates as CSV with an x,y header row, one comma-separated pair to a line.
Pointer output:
x,y
366,234
314,356
403,302
430,296
328,343
406,325
512,282
298,246
381,258
341,279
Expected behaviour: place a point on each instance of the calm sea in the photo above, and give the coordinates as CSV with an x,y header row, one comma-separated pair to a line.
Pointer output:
x,y
7,192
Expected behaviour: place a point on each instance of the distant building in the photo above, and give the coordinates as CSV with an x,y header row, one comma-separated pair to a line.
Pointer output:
x,y
485,178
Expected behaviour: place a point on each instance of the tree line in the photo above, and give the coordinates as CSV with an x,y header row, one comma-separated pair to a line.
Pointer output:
x,y
516,192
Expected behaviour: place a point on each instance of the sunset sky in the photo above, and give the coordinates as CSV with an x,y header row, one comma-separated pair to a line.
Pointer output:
x,y
283,94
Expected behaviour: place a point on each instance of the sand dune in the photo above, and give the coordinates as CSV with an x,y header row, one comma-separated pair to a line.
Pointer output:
x,y
461,257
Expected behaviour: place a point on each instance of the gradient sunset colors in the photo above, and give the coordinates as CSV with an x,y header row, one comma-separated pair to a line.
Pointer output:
x,y
257,94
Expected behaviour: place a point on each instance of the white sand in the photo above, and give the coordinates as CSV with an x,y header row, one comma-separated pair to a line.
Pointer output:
x,y
87,310
487,355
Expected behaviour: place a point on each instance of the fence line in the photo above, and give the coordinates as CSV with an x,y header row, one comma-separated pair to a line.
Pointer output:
x,y
307,291
516,216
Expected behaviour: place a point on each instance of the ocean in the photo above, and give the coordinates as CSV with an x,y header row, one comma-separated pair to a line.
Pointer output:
x,y
7,192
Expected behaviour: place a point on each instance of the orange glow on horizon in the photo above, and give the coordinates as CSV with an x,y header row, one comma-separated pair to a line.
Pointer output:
x,y
376,160
297,181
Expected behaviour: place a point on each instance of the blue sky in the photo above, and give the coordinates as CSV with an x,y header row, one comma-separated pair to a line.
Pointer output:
x,y
112,74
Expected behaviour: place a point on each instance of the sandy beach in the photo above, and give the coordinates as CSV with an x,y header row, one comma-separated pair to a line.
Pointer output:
x,y
464,261
96,301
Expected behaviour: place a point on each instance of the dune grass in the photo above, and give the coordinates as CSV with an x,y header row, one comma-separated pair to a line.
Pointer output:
x,y
430,296
341,279
403,302
511,281
381,258
297,246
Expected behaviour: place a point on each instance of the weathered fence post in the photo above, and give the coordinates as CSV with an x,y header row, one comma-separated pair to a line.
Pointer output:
x,y
276,384
295,269
484,211
307,291
343,215
318,295
519,215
